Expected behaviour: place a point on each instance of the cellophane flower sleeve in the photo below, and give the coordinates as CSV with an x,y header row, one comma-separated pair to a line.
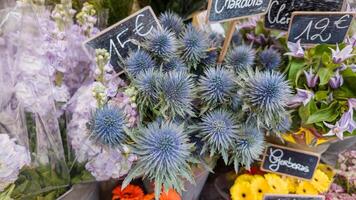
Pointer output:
x,y
28,112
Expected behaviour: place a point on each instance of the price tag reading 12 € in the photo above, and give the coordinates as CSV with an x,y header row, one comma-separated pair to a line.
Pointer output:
x,y
319,27
124,36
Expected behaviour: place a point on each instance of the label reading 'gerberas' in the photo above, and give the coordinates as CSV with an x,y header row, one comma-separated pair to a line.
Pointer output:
x,y
290,162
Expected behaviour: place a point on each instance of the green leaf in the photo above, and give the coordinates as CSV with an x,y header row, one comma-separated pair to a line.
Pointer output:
x,y
328,114
295,69
321,95
305,111
325,75
321,49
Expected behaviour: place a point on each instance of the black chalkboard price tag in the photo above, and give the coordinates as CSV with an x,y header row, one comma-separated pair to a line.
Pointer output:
x,y
124,36
226,10
319,27
292,197
290,162
280,12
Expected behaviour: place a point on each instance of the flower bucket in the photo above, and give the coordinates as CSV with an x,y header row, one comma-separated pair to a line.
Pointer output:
x,y
85,191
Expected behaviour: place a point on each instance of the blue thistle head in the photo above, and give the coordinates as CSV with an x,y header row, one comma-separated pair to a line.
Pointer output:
x,y
164,154
241,58
174,64
248,147
177,92
210,59
173,22
138,61
236,102
194,45
216,86
215,39
218,131
266,94
162,43
146,84
107,126
283,125
270,59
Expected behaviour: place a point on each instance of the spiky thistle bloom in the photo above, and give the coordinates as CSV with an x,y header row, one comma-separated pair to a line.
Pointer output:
x,y
270,59
216,86
248,147
107,126
194,45
218,130
241,58
210,59
266,94
146,84
176,90
162,43
138,61
172,22
164,155
174,64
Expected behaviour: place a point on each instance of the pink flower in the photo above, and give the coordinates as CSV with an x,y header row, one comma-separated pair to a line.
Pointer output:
x,y
312,79
341,56
336,81
302,97
295,49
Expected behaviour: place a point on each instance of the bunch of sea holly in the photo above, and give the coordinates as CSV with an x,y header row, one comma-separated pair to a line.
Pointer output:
x,y
189,103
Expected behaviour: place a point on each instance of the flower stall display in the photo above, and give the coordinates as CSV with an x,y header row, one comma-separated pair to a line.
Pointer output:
x,y
171,108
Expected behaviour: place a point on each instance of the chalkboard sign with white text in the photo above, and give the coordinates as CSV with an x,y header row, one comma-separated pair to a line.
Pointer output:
x,y
290,162
224,10
292,197
319,27
124,36
280,12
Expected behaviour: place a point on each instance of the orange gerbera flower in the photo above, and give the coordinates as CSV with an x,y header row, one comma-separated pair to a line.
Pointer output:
x,y
131,192
170,195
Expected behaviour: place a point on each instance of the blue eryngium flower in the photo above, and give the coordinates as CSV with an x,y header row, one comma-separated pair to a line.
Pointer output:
x,y
240,58
164,155
162,43
266,94
248,147
176,90
194,45
210,59
270,59
146,84
138,61
107,126
173,22
218,131
216,86
174,64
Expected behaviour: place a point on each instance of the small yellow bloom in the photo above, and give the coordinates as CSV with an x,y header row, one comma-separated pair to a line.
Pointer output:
x,y
306,188
259,187
276,184
242,191
292,184
244,177
320,181
327,170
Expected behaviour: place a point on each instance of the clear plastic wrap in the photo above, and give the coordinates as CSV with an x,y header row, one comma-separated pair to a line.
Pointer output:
x,y
28,112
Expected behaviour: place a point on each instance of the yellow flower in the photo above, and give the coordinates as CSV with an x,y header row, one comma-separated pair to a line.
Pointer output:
x,y
242,191
244,177
320,181
306,188
259,187
276,184
327,170
292,184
